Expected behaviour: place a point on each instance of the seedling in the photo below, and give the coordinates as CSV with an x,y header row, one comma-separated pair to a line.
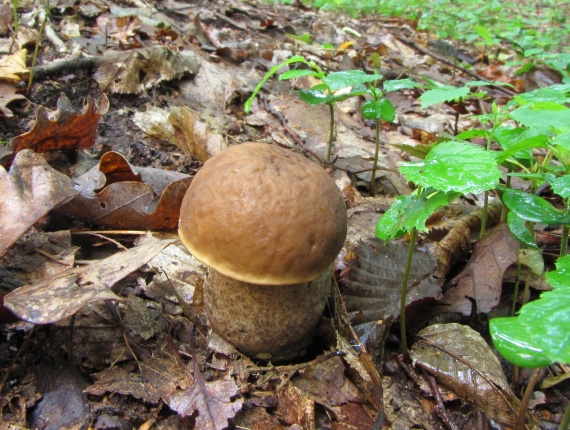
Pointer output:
x,y
325,92
449,170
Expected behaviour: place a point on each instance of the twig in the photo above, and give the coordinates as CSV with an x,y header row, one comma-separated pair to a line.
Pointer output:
x,y
301,366
440,408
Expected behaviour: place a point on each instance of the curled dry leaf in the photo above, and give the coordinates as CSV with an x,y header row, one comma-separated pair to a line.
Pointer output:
x,y
482,278
63,295
135,71
124,200
8,94
13,67
460,359
67,131
29,191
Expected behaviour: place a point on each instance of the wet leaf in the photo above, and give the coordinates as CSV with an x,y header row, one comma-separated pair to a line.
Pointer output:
x,y
28,192
520,230
379,109
532,208
445,93
63,295
67,131
482,278
455,166
561,186
460,359
212,402
374,283
124,200
345,79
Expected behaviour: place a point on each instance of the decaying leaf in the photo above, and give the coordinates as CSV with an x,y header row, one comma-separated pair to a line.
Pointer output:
x,y
63,295
67,131
460,359
13,67
8,94
113,194
29,191
374,284
482,278
212,401
135,71
181,127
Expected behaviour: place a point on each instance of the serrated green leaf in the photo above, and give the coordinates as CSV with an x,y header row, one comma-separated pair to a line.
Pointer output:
x,y
548,323
532,208
515,344
443,94
411,211
455,166
518,228
338,80
399,84
561,186
379,109
543,114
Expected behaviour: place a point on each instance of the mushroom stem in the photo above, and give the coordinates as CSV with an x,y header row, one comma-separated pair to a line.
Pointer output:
x,y
266,322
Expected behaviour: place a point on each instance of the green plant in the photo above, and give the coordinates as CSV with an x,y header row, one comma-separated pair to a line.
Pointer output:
x,y
448,170
325,92
15,5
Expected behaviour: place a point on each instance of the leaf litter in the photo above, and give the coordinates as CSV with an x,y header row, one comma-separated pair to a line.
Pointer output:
x,y
128,310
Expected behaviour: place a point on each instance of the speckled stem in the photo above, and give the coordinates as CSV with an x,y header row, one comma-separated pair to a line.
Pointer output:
x,y
263,321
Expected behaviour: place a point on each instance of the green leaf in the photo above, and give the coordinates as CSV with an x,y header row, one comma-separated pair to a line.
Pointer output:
x,y
315,96
515,344
532,208
561,186
455,166
484,33
547,320
338,80
293,74
294,59
443,94
543,114
474,132
519,230
411,211
560,278
400,84
379,109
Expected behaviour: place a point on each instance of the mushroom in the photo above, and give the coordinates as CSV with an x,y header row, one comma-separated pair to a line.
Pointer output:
x,y
268,223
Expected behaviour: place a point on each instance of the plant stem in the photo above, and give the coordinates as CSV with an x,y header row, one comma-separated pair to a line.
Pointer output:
x,y
516,291
565,423
404,291
564,243
331,133
373,177
37,50
484,216
519,423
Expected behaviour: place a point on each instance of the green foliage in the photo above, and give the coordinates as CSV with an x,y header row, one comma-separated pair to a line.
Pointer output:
x,y
540,334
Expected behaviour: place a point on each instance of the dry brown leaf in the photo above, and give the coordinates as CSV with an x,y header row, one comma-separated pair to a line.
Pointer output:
x,y
135,71
482,278
13,67
124,200
8,94
460,359
212,401
67,131
29,191
63,295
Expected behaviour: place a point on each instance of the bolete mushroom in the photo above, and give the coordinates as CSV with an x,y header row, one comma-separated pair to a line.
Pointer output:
x,y
268,223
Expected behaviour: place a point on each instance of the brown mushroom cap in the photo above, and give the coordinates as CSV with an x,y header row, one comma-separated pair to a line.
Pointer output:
x,y
265,215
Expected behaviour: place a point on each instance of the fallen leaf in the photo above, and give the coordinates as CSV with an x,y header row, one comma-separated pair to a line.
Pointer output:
x,y
212,402
8,94
135,71
374,282
124,200
63,295
13,66
67,131
482,278
29,191
461,360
